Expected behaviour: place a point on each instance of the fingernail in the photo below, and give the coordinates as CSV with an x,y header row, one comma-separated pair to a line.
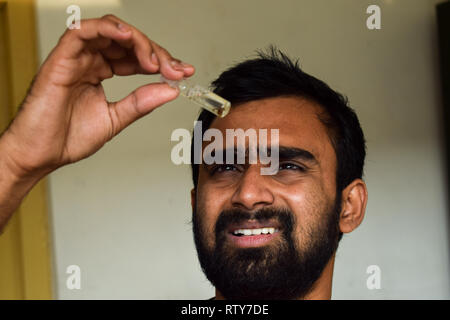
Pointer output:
x,y
176,65
186,65
154,59
123,27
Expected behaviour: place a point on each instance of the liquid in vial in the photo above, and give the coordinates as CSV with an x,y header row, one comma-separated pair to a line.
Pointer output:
x,y
202,96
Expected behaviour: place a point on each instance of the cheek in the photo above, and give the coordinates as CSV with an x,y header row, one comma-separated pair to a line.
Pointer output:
x,y
210,203
309,205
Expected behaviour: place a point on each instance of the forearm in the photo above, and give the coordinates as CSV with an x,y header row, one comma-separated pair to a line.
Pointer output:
x,y
13,188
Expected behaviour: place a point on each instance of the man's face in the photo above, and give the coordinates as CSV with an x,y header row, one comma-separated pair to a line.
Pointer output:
x,y
292,215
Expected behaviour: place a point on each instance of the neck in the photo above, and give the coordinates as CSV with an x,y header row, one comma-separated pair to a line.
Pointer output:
x,y
321,289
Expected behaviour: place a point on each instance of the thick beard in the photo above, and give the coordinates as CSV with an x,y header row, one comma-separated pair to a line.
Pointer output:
x,y
278,271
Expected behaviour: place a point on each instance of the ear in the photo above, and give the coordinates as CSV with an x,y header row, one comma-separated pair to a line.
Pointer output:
x,y
193,194
354,201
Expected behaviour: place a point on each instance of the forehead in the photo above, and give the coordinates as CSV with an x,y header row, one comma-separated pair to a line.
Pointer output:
x,y
295,118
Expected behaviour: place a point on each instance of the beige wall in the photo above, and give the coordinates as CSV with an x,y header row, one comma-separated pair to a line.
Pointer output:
x,y
123,214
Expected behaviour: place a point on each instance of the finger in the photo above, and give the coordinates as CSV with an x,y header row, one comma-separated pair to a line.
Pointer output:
x,y
141,45
126,66
126,43
170,67
99,43
114,51
99,71
139,103
73,42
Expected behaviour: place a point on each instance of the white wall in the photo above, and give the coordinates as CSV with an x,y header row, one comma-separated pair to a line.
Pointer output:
x,y
123,214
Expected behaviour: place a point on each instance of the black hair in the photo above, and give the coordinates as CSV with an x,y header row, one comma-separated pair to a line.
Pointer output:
x,y
274,74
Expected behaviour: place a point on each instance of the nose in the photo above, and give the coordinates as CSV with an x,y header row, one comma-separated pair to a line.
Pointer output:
x,y
252,192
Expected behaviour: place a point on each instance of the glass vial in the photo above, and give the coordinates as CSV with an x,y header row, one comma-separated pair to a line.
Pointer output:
x,y
202,96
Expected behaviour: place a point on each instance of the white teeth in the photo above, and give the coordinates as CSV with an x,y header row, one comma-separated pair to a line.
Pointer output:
x,y
255,232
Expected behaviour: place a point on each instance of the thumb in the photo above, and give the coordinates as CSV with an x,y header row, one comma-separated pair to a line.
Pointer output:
x,y
139,103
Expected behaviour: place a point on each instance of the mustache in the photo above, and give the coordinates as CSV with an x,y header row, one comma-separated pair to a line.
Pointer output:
x,y
283,216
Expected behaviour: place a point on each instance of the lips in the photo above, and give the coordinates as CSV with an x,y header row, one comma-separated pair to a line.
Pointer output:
x,y
252,233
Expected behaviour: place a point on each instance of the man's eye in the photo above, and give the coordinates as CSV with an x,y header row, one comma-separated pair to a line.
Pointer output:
x,y
223,168
291,166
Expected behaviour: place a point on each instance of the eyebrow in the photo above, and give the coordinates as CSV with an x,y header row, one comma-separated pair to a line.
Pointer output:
x,y
285,153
